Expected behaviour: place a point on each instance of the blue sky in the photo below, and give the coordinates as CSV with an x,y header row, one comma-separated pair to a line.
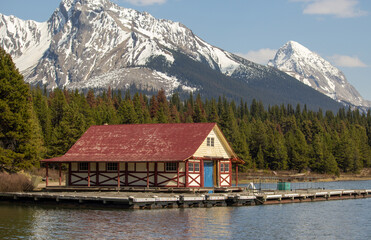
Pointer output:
x,y
338,30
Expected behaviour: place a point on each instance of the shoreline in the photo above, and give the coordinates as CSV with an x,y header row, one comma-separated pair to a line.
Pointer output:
x,y
291,176
267,180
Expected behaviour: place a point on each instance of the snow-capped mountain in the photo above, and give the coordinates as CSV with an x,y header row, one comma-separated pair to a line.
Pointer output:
x,y
86,39
98,44
314,71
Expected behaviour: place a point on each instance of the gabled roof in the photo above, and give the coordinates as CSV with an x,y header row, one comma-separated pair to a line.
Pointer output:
x,y
138,142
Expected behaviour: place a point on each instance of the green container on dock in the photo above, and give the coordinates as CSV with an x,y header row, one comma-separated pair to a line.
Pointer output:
x,y
283,186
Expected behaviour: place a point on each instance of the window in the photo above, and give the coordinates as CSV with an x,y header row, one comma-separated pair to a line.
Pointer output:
x,y
83,166
190,167
111,166
210,142
224,167
170,167
193,167
197,167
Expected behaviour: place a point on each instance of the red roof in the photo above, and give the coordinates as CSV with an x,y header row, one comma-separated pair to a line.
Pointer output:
x,y
138,142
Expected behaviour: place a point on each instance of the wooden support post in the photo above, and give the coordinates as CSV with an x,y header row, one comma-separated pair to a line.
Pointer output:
x,y
236,175
202,172
88,174
118,175
69,173
97,174
60,174
47,174
218,173
147,174
230,173
126,174
177,167
155,177
186,173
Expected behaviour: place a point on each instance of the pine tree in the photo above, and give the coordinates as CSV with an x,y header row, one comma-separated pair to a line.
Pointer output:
x,y
258,138
175,101
91,98
199,113
68,131
163,113
153,107
138,107
322,160
213,115
297,150
58,105
344,153
16,118
276,151
175,118
127,113
42,111
260,158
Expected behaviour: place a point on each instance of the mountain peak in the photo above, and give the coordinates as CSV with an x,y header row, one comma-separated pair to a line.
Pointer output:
x,y
314,71
84,2
297,47
68,5
291,50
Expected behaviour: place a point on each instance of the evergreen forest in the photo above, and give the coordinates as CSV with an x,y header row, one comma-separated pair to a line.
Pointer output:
x,y
37,124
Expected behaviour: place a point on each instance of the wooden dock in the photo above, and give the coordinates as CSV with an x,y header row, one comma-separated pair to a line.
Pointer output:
x,y
146,200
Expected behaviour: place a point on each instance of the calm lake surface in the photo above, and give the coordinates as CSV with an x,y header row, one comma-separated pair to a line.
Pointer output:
x,y
344,219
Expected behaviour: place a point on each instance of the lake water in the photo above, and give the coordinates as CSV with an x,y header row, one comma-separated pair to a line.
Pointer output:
x,y
344,219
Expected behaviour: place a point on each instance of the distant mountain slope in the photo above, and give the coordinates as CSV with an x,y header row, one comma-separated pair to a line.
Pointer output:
x,y
314,71
97,44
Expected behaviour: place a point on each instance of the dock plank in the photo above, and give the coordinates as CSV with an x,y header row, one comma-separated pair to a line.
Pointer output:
x,y
160,200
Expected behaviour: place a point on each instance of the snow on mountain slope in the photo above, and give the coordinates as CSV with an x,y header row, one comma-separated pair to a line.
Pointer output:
x,y
26,41
97,44
86,39
314,71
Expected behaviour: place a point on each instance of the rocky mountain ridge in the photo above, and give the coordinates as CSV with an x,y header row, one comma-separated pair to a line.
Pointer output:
x,y
98,44
314,71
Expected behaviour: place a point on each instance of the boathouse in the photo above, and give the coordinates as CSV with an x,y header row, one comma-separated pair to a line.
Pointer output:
x,y
191,155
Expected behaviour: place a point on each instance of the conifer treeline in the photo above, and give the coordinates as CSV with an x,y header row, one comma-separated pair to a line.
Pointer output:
x,y
279,138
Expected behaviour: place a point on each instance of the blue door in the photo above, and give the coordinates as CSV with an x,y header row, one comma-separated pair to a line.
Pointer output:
x,y
208,174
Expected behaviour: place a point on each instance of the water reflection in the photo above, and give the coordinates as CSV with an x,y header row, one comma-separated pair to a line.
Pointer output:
x,y
15,220
347,219
62,223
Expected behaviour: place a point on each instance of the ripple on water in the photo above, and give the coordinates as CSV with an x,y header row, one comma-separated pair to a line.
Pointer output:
x,y
345,219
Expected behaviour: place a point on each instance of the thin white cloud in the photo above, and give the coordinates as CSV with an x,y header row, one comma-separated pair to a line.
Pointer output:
x,y
261,56
347,61
145,2
338,8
